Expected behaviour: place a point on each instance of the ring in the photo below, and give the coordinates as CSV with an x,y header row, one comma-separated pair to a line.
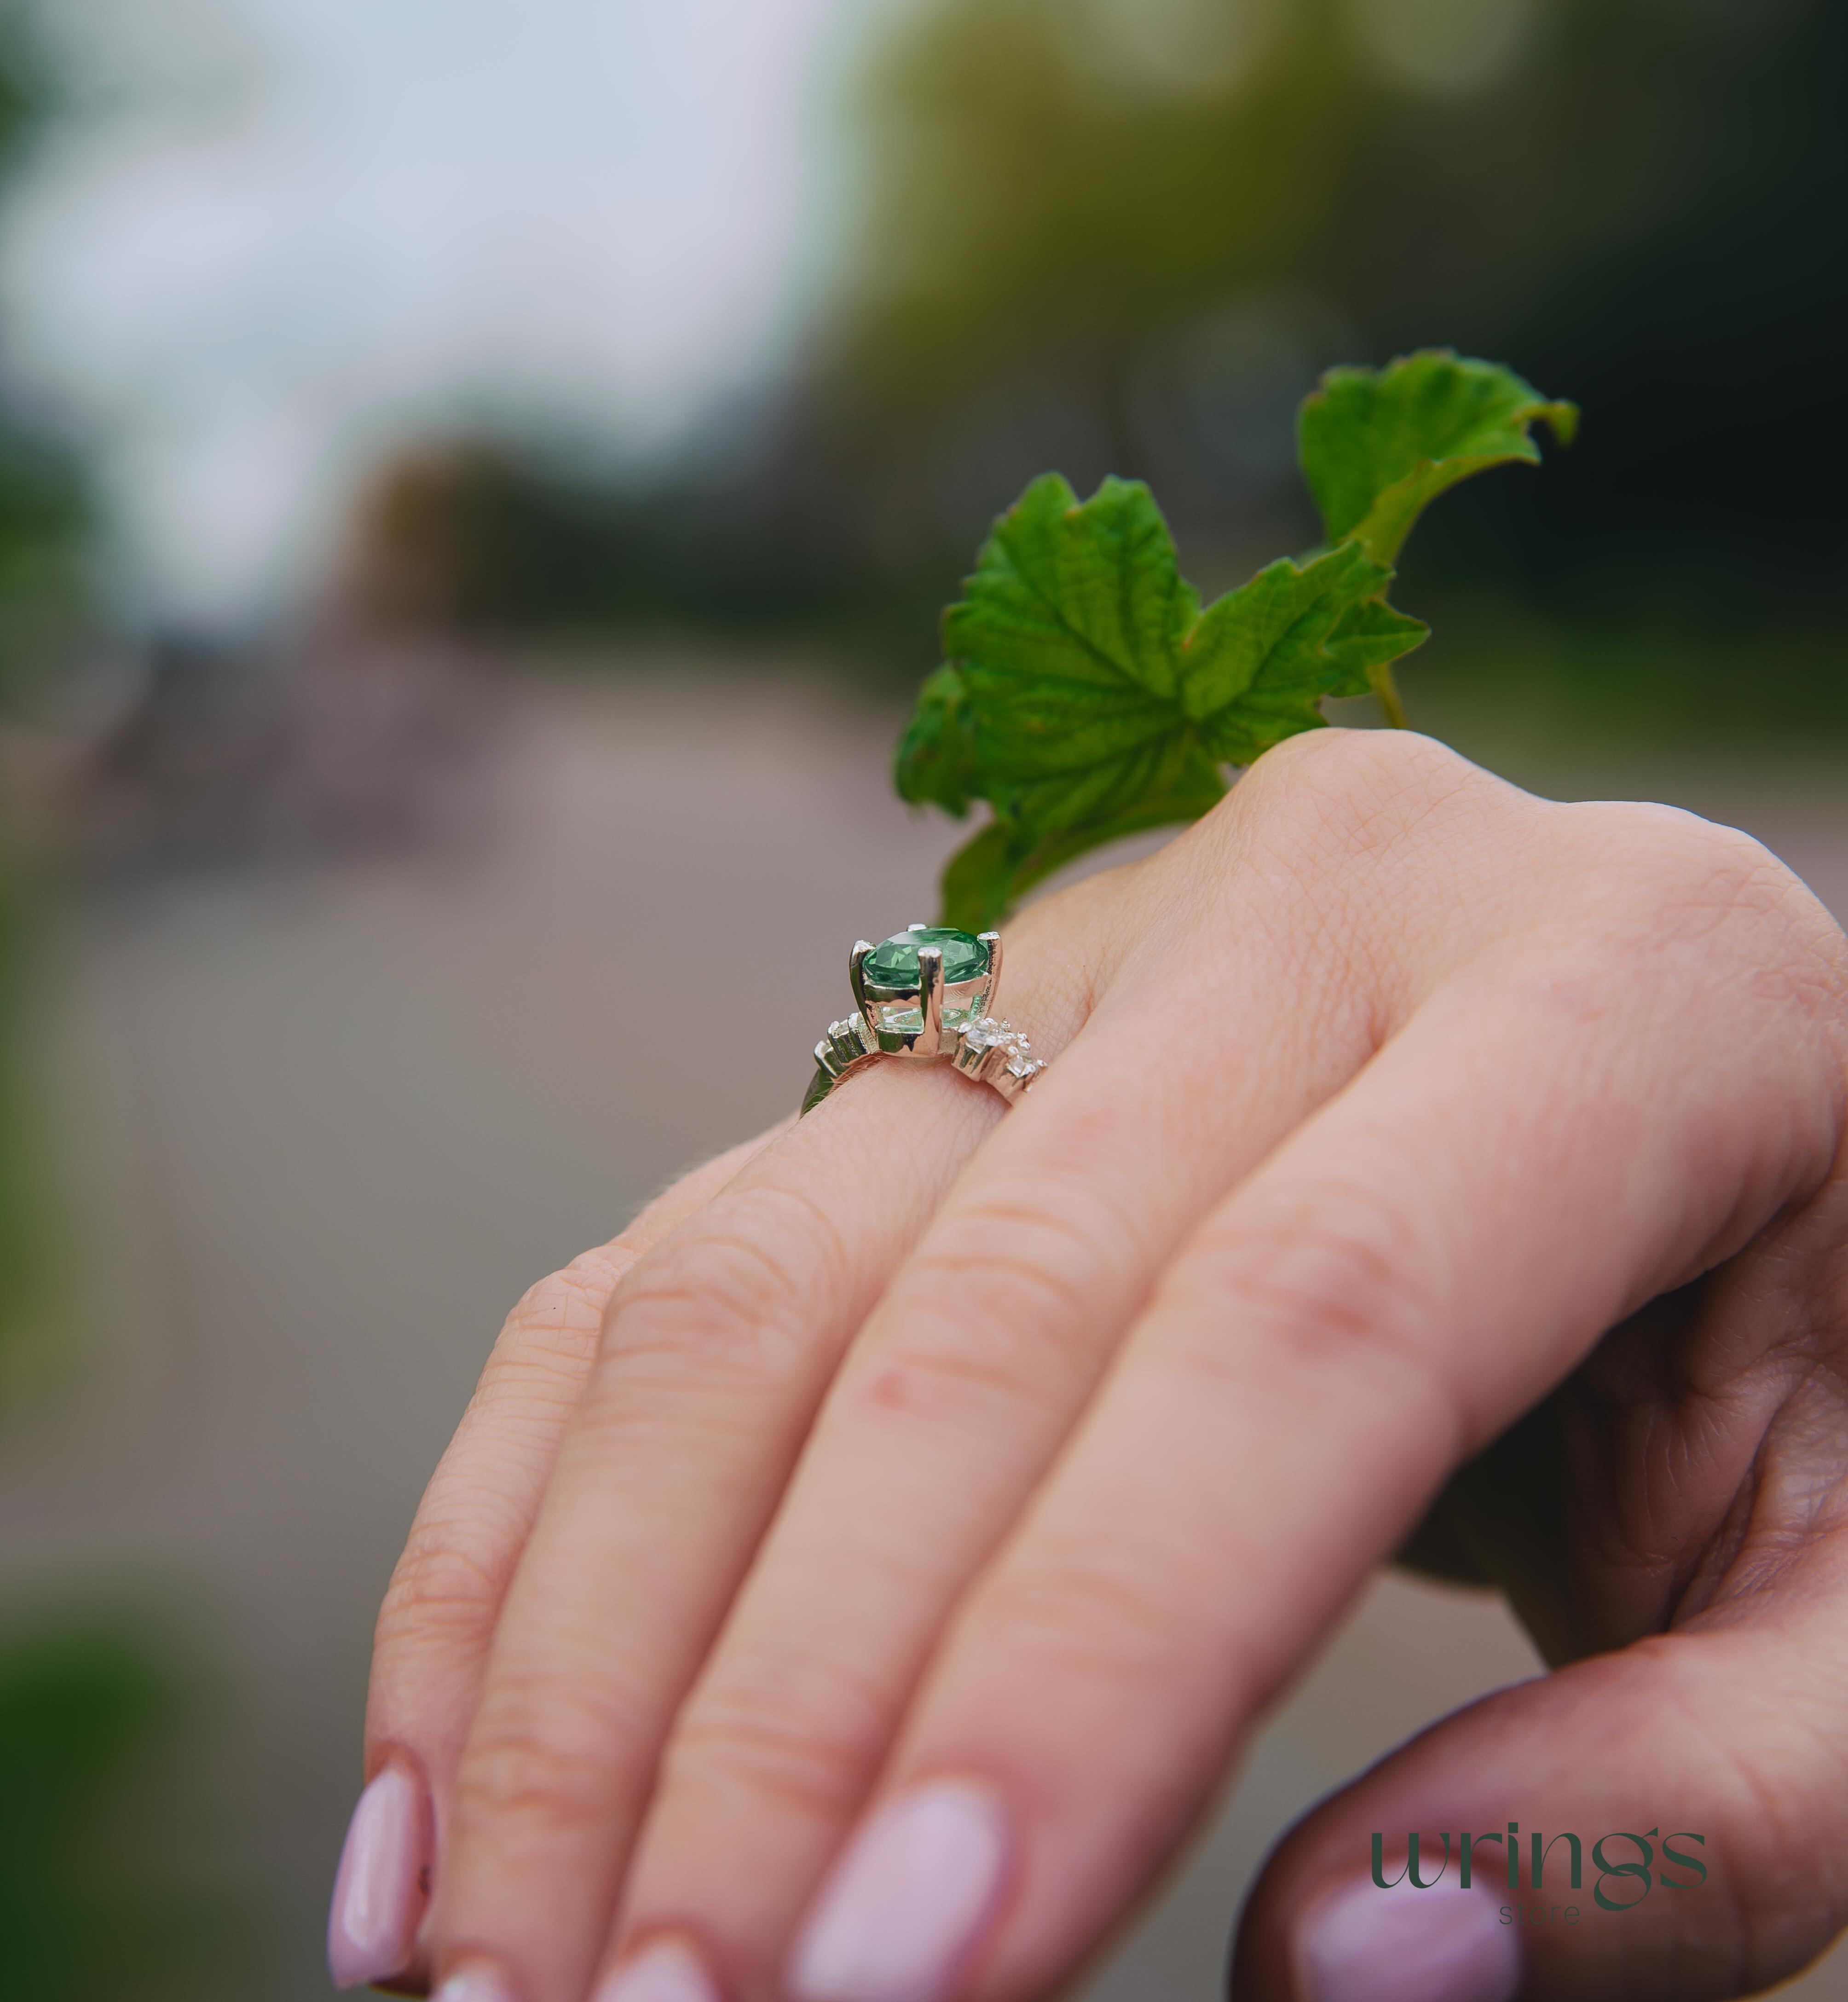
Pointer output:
x,y
927,994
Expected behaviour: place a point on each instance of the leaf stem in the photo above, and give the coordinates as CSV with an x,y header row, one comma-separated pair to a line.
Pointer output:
x,y
1385,690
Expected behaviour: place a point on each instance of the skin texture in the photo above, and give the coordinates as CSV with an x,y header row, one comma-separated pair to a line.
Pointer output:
x,y
1415,1151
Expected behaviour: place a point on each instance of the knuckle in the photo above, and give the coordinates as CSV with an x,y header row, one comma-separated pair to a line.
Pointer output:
x,y
1668,869
564,1311
1104,1612
1039,1275
814,1758
1082,1607
1329,801
1361,779
1333,1298
1028,1265
443,1583
745,1297
1670,884
552,1756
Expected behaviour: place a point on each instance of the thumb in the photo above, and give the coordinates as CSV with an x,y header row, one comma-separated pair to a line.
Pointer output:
x,y
1677,1811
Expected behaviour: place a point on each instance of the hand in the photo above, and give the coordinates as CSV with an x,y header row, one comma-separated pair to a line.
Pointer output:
x,y
869,1610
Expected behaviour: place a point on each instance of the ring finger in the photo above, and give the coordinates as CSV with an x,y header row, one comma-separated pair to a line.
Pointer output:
x,y
964,1383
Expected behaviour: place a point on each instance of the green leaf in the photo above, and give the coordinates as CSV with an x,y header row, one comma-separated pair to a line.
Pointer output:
x,y
1378,446
1370,637
1268,649
934,762
980,882
1088,695
989,875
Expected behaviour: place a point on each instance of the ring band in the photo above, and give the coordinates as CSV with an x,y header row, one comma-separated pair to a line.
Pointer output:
x,y
927,994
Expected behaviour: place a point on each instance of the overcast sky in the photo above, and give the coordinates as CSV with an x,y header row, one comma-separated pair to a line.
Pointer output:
x,y
288,230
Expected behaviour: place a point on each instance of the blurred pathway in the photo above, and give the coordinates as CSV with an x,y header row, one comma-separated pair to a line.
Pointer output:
x,y
334,1119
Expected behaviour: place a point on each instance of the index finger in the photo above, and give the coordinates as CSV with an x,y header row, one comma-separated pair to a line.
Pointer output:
x,y
433,1631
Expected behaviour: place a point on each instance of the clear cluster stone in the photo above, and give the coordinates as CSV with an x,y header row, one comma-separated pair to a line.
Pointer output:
x,y
1014,1049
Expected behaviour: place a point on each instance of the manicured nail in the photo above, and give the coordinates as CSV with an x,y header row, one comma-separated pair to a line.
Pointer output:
x,y
667,1972
381,1887
475,1982
1364,1944
904,1905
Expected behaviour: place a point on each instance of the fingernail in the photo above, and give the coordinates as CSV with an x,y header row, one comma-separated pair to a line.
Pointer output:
x,y
668,1971
1364,1944
905,1904
476,1982
380,1890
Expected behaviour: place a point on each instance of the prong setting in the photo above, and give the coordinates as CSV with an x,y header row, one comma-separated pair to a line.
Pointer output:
x,y
942,1012
992,941
857,978
929,1039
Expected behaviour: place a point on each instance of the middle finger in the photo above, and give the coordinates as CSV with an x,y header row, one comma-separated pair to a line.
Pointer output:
x,y
968,1376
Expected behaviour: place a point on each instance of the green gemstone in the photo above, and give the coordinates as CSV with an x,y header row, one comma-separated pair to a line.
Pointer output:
x,y
895,964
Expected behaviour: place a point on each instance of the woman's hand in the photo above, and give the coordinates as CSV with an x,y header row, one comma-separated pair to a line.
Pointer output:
x,y
854,1583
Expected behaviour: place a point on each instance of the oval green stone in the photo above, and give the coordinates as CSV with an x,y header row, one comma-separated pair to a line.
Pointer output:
x,y
895,964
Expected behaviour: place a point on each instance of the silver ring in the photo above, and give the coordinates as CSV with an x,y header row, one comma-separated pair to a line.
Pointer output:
x,y
927,994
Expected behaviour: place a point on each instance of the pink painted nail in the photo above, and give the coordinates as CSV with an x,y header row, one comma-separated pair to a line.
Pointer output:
x,y
905,1904
475,1982
1445,1944
382,1885
667,1972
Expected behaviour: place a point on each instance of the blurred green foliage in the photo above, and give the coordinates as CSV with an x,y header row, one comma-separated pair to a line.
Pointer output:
x,y
44,591
46,514
96,1899
1150,203
46,586
1124,237
1053,182
29,1241
1530,695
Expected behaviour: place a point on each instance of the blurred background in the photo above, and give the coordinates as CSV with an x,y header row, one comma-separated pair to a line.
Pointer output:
x,y
477,485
